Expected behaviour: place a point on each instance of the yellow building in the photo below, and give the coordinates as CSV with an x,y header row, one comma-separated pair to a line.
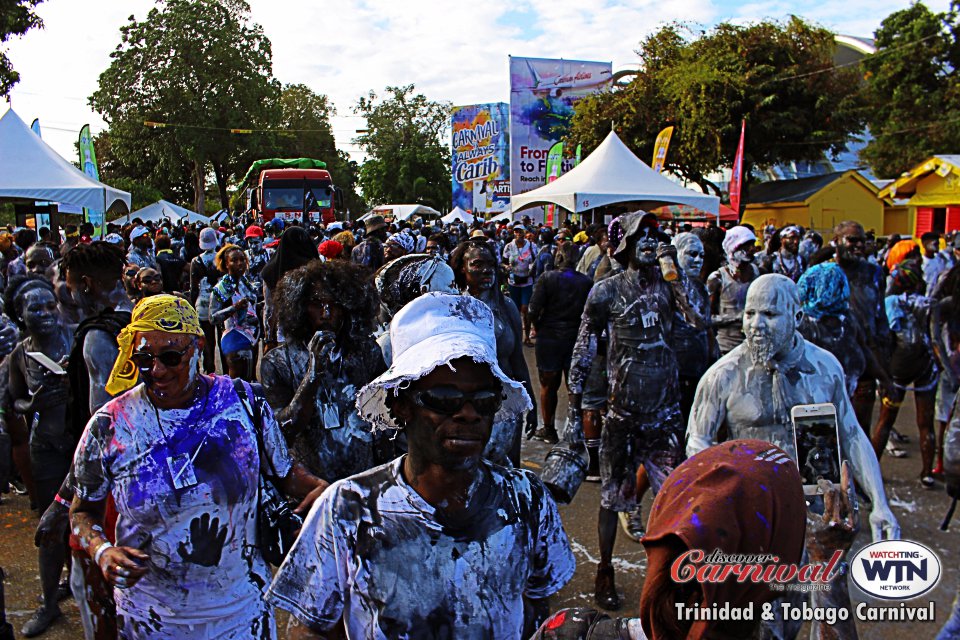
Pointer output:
x,y
931,191
818,202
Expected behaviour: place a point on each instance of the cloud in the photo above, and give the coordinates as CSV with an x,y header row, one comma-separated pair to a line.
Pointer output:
x,y
452,51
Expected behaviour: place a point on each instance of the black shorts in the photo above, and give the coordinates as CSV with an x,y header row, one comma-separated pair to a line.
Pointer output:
x,y
554,354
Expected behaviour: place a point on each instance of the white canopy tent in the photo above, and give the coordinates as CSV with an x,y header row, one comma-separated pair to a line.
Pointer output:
x,y
406,211
167,211
31,170
610,175
506,216
457,215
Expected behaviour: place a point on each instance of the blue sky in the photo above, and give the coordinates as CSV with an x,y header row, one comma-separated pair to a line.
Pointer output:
x,y
453,51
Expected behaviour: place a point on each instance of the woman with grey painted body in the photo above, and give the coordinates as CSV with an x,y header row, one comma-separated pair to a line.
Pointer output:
x,y
728,287
752,389
326,312
474,264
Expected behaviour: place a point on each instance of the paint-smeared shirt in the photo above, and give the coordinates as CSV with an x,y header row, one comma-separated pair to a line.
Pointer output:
x,y
200,529
375,553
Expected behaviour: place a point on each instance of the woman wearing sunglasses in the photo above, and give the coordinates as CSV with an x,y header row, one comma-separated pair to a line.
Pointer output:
x,y
326,312
438,539
149,282
233,305
179,455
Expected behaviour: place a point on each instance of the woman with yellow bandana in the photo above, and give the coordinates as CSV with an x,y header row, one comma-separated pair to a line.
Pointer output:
x,y
179,454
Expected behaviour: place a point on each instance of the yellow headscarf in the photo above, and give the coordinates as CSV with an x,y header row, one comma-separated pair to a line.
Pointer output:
x,y
156,313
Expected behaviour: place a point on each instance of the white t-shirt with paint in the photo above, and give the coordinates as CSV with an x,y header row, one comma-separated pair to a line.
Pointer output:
x,y
375,553
199,528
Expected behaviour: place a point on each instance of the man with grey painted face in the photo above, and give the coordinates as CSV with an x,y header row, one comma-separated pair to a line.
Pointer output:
x,y
643,424
752,389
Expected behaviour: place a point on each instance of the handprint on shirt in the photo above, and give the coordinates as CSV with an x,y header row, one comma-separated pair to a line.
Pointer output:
x,y
207,538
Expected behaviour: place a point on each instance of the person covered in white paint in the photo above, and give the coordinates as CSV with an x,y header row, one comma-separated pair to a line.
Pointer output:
x,y
180,455
728,287
439,542
752,389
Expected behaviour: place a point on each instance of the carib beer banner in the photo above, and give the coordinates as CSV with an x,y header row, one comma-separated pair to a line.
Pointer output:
x,y
481,170
543,93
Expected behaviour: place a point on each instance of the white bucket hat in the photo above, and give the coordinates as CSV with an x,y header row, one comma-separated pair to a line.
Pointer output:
x,y
433,330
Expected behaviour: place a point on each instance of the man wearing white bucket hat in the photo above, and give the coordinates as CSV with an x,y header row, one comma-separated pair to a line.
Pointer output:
x,y
439,538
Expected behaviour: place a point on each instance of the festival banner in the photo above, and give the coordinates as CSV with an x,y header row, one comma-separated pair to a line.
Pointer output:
x,y
576,157
88,164
660,149
736,177
542,97
479,151
554,161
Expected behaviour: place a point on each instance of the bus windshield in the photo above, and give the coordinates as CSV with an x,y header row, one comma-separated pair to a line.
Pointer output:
x,y
290,194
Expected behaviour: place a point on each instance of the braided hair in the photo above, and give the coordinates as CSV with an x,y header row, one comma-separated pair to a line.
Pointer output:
x,y
100,260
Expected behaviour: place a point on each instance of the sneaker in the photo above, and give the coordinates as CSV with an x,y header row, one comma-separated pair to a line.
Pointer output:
x,y
605,590
18,487
633,524
898,437
547,434
927,482
40,621
895,451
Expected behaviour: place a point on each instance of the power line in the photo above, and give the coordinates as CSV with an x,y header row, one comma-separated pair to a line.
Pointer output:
x,y
855,62
884,134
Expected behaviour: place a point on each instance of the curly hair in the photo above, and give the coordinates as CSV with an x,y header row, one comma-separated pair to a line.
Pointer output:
x,y
100,260
17,287
345,282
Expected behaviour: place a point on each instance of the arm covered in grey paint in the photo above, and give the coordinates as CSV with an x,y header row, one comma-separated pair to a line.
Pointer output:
x,y
99,353
708,413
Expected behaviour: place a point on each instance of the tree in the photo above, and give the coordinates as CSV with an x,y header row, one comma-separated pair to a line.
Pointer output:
x,y
408,159
16,18
780,78
305,115
199,68
912,89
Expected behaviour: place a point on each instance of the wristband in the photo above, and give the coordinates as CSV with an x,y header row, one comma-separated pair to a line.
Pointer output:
x,y
61,501
103,547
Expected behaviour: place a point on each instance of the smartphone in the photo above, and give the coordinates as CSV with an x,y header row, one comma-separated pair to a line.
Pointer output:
x,y
47,363
817,442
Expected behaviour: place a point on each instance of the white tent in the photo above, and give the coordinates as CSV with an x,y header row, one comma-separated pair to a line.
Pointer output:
x,y
31,170
506,216
162,210
406,211
609,175
457,215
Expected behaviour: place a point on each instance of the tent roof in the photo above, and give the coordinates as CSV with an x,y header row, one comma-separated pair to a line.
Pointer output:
x,y
31,169
163,210
906,185
612,174
406,211
457,214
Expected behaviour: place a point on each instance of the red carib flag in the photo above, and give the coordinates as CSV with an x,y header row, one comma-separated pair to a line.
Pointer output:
x,y
736,179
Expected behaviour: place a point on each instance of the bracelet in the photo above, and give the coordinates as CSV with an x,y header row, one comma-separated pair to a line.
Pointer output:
x,y
103,547
65,503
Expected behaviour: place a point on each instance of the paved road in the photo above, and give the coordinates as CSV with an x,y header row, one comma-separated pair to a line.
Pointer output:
x,y
919,511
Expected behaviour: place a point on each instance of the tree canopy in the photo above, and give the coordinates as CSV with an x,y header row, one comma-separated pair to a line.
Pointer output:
x,y
200,68
16,18
305,117
779,77
408,158
912,89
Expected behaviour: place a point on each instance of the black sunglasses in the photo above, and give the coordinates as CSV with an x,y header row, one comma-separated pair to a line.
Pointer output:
x,y
144,361
450,400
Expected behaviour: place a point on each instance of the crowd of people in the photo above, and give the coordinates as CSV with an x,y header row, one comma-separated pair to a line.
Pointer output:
x,y
164,378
